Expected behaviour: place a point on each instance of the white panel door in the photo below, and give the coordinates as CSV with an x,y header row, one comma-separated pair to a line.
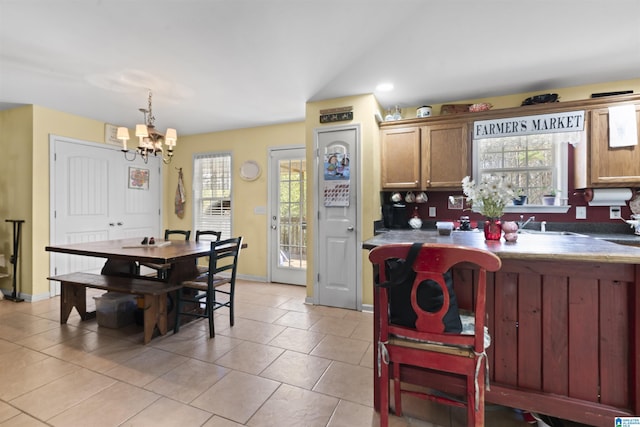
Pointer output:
x,y
337,244
97,195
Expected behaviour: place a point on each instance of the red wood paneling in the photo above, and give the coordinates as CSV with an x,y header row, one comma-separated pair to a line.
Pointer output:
x,y
614,344
505,325
555,339
583,339
529,332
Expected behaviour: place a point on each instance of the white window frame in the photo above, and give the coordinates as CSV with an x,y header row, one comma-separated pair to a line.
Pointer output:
x,y
222,221
560,179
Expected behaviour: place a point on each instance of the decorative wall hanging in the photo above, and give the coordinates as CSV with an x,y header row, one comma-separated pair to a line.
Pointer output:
x,y
138,178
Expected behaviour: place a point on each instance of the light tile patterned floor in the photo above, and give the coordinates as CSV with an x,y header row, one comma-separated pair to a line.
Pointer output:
x,y
284,363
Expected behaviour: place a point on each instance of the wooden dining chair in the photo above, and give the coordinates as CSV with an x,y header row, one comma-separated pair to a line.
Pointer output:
x,y
209,235
426,344
162,270
202,293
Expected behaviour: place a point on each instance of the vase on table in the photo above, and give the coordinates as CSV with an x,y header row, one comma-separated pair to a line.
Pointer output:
x,y
492,229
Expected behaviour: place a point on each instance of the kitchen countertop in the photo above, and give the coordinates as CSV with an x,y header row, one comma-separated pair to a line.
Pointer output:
x,y
541,247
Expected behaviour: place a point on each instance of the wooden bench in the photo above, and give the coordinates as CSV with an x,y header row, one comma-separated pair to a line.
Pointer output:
x,y
74,294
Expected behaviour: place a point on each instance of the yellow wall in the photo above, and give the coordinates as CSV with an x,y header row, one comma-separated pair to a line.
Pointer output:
x,y
24,175
16,134
364,109
564,94
243,144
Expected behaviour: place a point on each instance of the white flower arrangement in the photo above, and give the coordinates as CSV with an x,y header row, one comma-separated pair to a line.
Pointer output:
x,y
489,196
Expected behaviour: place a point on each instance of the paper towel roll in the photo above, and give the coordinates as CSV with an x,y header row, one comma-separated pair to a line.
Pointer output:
x,y
607,196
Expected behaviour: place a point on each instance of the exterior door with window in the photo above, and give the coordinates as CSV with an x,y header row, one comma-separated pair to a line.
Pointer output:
x,y
337,201
288,232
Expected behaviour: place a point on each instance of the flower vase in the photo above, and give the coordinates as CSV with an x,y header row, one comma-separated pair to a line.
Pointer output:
x,y
492,229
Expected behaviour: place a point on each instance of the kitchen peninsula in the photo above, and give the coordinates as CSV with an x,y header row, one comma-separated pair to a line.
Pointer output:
x,y
564,316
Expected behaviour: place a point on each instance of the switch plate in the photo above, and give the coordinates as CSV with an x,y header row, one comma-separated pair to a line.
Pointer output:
x,y
432,211
615,212
581,212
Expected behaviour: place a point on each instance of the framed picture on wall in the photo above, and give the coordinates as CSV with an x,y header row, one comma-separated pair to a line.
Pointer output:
x,y
138,178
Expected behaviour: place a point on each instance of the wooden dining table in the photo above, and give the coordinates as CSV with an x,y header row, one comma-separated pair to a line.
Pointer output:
x,y
123,255
122,265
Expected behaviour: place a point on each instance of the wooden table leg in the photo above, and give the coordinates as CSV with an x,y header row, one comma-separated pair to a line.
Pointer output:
x,y
155,314
151,305
72,296
162,314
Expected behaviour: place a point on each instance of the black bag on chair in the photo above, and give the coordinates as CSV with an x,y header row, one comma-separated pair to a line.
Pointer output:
x,y
400,277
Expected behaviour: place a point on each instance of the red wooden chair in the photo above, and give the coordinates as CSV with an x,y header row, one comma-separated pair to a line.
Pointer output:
x,y
427,345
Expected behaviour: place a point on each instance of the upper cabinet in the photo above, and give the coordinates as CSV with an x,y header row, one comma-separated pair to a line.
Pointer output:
x,y
400,158
598,164
435,153
434,156
445,155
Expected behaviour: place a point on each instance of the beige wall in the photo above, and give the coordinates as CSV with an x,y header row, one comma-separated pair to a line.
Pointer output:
x,y
24,174
564,94
16,134
24,181
364,109
243,144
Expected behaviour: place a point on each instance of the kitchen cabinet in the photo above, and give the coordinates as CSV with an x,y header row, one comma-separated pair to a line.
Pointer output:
x,y
597,164
433,156
400,157
445,155
563,313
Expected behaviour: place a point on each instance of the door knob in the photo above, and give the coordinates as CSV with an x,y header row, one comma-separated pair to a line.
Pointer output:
x,y
120,223
111,224
350,228
273,227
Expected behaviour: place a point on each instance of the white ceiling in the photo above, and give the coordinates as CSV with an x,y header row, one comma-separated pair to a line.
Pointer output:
x,y
228,64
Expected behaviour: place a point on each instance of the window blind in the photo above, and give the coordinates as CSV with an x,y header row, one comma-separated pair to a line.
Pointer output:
x,y
212,192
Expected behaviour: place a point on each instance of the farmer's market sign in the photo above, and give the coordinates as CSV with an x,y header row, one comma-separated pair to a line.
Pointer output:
x,y
571,121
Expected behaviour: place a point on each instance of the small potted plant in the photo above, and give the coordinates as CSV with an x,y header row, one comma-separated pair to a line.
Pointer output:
x,y
549,197
520,198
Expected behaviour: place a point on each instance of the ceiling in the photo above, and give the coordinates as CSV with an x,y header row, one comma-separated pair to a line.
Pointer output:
x,y
227,64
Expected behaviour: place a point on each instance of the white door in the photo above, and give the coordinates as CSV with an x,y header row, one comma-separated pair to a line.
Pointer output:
x,y
288,201
98,195
337,226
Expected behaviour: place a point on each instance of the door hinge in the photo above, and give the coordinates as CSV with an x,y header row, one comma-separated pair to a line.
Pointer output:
x,y
318,277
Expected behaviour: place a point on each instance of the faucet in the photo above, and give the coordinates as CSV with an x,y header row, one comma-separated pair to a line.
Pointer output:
x,y
522,223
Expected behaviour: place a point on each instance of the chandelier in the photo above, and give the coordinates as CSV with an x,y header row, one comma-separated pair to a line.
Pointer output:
x,y
150,140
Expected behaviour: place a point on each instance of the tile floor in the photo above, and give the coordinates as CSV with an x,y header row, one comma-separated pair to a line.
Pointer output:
x,y
284,363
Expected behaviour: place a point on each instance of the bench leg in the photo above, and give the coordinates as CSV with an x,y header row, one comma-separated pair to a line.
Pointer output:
x,y
72,296
155,314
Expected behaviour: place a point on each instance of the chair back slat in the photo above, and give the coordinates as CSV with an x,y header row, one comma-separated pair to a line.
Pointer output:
x,y
224,257
211,235
185,233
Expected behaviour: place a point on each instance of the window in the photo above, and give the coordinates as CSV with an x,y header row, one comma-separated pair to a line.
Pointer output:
x,y
212,192
531,152
536,163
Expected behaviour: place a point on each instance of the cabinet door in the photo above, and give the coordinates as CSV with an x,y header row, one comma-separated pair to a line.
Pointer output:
x,y
445,158
612,166
400,158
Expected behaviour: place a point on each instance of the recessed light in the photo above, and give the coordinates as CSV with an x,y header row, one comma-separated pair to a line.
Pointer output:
x,y
384,87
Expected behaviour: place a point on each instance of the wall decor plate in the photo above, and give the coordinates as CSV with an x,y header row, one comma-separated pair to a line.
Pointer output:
x,y
250,170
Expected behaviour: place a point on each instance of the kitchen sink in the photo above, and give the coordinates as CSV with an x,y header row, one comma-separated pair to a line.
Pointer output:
x,y
551,233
